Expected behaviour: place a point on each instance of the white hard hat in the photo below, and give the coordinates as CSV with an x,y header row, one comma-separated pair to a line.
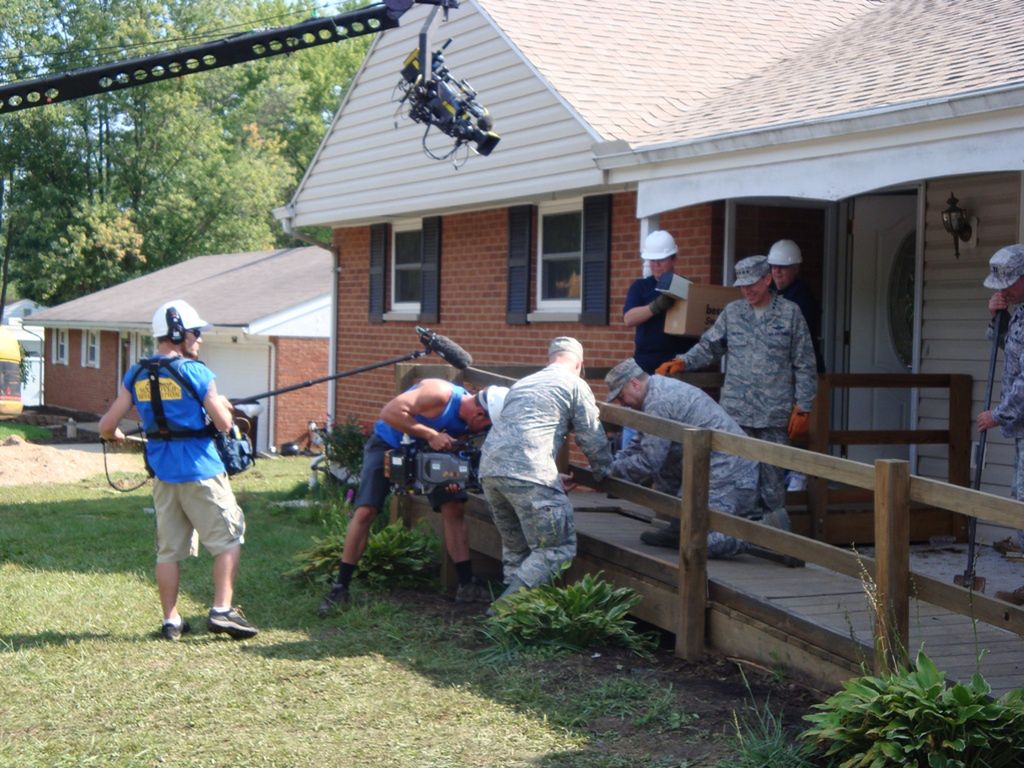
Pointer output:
x,y
492,398
785,253
658,245
175,317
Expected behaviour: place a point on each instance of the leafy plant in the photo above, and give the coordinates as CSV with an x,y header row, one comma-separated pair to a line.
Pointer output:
x,y
909,717
395,556
590,612
343,445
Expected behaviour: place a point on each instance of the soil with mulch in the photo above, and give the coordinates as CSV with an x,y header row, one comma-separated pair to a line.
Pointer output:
x,y
710,694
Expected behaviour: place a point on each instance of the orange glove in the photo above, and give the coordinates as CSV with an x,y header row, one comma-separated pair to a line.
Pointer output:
x,y
799,423
671,368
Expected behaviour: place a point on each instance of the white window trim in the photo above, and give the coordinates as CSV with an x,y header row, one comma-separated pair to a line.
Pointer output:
x,y
87,334
401,310
60,335
564,308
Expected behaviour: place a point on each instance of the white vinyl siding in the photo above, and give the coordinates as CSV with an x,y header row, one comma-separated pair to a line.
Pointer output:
x,y
955,315
367,169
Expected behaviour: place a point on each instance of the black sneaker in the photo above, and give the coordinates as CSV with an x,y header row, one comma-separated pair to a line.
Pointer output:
x,y
662,537
232,622
171,632
338,597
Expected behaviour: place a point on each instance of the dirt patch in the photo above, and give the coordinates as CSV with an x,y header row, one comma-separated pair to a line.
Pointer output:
x,y
698,702
24,463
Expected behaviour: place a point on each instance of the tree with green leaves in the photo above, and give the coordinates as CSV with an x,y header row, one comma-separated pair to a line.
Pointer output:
x,y
105,188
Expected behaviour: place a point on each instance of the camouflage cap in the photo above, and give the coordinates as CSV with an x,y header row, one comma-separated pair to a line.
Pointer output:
x,y
1006,267
565,344
620,376
750,270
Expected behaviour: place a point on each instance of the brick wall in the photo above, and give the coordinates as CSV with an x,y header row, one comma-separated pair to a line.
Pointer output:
x,y
298,360
82,389
473,298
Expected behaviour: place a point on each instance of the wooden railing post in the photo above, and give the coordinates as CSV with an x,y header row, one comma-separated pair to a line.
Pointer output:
x,y
892,561
693,544
818,440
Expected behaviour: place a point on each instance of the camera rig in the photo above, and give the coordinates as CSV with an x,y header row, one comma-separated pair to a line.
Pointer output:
x,y
448,104
415,471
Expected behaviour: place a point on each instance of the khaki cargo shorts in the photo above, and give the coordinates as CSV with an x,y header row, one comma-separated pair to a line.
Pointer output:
x,y
207,507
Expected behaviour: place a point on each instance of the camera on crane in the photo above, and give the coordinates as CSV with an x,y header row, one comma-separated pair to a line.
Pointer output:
x,y
412,470
448,104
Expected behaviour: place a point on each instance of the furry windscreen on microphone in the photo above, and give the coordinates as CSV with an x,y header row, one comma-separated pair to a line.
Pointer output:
x,y
447,349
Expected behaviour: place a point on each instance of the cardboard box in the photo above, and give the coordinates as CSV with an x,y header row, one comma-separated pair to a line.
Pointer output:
x,y
697,306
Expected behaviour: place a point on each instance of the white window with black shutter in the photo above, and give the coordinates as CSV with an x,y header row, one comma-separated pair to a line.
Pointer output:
x,y
406,267
559,256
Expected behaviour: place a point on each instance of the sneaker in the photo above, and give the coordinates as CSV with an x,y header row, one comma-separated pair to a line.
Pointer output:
x,y
662,537
338,597
232,622
472,592
173,632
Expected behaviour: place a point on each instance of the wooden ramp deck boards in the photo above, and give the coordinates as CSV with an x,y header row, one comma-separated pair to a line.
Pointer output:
x,y
828,599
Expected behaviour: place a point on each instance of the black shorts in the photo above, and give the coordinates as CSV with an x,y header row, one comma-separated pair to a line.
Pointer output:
x,y
374,487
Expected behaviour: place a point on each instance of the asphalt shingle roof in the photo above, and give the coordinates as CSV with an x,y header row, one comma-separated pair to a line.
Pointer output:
x,y
230,289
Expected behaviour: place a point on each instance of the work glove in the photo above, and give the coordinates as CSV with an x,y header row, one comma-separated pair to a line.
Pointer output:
x,y
671,368
661,304
799,423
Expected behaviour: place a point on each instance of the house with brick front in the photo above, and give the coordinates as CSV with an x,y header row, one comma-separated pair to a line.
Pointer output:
x,y
272,321
849,126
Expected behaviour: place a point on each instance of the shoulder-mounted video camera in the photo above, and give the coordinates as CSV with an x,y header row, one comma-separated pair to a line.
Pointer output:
x,y
415,471
447,104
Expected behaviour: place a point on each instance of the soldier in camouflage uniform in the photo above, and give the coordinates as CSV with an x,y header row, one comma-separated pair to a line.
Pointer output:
x,y
770,366
649,458
517,468
1007,279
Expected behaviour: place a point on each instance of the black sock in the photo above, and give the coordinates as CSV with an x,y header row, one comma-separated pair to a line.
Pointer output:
x,y
345,572
464,571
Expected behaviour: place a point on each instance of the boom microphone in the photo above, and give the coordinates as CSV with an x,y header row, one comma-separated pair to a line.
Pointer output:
x,y
448,350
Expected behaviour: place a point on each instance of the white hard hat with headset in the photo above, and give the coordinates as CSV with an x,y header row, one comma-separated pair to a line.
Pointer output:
x,y
658,245
785,253
175,317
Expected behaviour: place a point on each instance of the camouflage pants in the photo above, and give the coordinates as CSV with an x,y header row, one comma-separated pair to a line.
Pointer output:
x,y
1018,480
772,480
537,528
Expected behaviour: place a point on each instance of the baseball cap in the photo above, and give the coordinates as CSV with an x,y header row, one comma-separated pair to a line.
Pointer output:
x,y
620,376
750,270
1006,267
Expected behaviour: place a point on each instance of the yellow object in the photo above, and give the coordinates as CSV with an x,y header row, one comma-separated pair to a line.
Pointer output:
x,y
10,375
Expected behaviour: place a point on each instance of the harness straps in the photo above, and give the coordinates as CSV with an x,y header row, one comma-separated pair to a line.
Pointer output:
x,y
164,430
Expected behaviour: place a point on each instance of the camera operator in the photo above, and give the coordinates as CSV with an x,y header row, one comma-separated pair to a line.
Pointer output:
x,y
521,481
435,413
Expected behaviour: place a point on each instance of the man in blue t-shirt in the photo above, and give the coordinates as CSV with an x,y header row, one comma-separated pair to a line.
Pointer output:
x,y
434,412
191,491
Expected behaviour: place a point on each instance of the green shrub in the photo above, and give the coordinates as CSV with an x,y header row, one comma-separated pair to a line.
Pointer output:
x,y
395,556
761,740
344,445
591,612
909,717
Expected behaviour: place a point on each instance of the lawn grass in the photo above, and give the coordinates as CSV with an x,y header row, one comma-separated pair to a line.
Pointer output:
x,y
29,432
391,682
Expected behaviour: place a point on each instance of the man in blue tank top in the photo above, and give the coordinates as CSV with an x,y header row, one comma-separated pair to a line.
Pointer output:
x,y
435,413
191,491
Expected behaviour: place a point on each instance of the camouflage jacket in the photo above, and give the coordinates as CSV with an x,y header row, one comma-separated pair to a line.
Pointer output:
x,y
659,460
539,412
769,361
1010,411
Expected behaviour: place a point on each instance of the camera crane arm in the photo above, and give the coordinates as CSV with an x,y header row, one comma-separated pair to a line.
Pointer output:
x,y
226,52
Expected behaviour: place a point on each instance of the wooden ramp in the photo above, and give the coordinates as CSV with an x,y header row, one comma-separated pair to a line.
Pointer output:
x,y
809,622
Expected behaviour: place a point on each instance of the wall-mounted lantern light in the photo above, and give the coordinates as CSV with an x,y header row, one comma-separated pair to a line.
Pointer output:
x,y
956,222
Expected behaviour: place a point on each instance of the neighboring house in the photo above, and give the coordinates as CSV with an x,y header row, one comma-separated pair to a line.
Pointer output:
x,y
272,323
843,124
30,337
